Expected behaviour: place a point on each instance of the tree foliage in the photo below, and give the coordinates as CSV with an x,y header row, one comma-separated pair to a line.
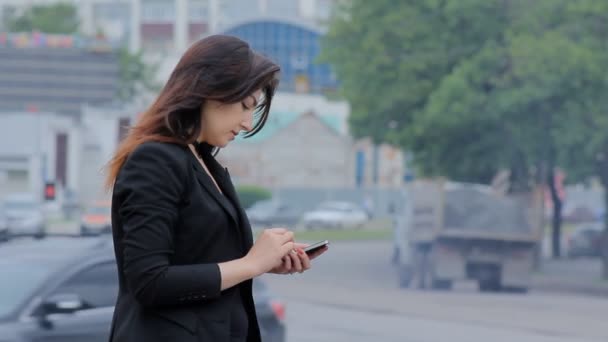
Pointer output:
x,y
478,86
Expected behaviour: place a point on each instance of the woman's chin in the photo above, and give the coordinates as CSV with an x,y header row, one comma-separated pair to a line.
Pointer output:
x,y
223,144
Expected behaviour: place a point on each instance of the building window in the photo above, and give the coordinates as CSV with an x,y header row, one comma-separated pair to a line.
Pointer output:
x,y
61,162
198,11
158,11
123,128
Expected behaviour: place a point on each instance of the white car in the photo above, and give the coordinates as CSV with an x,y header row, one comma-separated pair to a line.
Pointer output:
x,y
335,215
24,215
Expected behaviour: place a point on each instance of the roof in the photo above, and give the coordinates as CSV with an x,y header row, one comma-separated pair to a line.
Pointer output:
x,y
295,22
277,121
56,41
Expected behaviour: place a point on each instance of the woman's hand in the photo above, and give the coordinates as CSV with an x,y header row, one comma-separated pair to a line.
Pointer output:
x,y
271,246
297,260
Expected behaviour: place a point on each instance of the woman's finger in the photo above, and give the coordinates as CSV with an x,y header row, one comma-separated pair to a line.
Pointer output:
x,y
304,259
295,262
287,263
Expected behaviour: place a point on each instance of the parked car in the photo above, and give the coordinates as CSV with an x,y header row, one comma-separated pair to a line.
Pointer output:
x,y
272,213
25,215
4,235
585,241
335,215
96,219
64,289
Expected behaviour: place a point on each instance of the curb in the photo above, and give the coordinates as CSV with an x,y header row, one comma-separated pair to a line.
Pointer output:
x,y
561,286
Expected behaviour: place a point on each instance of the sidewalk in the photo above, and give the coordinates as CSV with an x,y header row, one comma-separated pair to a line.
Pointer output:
x,y
579,276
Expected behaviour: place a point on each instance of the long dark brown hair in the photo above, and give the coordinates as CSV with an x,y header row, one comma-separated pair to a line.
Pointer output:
x,y
218,67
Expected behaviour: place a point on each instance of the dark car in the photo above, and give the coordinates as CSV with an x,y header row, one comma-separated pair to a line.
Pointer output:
x,y
63,289
4,233
585,241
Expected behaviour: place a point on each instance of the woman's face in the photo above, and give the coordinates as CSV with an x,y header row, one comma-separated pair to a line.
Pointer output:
x,y
222,122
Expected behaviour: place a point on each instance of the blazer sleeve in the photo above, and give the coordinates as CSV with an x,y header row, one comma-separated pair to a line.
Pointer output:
x,y
150,187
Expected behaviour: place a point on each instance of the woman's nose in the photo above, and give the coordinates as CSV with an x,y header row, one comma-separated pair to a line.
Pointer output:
x,y
247,123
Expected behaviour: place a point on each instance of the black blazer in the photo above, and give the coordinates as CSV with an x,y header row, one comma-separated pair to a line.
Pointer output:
x,y
171,227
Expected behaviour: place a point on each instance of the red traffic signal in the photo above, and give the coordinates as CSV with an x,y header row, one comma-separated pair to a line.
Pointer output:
x,y
49,191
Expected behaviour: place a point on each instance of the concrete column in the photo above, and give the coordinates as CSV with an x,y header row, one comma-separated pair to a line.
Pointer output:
x,y
74,153
263,7
214,16
87,18
307,8
35,175
180,26
135,28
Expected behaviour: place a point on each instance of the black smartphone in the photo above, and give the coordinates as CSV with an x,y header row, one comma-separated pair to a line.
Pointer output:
x,y
316,246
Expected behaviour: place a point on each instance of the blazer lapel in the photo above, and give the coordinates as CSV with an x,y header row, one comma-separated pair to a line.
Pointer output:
x,y
245,225
206,181
222,177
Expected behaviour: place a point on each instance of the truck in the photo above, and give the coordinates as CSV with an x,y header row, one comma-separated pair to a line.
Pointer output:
x,y
449,231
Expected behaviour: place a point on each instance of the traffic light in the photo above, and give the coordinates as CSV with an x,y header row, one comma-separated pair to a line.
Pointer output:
x,y
49,191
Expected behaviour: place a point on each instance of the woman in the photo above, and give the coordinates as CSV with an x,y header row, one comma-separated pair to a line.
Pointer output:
x,y
183,244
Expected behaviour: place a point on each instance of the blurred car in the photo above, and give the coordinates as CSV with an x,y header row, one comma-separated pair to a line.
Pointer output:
x,y
70,204
4,235
585,241
64,289
335,215
25,215
96,219
272,212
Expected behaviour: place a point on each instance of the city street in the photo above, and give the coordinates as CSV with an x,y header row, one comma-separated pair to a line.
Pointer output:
x,y
352,295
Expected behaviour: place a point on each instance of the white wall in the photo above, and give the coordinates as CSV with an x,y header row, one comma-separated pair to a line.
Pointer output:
x,y
306,153
28,139
100,130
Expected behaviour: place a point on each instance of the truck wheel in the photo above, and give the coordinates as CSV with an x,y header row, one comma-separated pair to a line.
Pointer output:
x,y
40,234
515,289
441,284
395,257
489,285
405,276
423,270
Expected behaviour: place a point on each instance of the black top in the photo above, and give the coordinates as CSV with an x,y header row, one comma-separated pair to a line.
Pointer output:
x,y
171,227
239,321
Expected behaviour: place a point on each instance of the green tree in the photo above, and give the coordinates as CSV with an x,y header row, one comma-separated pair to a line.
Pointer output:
x,y
54,18
390,56
136,76
525,91
477,86
585,143
250,194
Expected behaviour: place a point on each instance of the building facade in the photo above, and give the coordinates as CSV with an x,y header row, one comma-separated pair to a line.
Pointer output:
x,y
55,73
293,150
309,150
36,147
295,46
162,24
70,151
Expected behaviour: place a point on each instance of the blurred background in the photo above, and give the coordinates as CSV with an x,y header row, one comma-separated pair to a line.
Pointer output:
x,y
453,152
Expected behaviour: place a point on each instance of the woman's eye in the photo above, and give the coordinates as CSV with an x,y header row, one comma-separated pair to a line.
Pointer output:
x,y
244,106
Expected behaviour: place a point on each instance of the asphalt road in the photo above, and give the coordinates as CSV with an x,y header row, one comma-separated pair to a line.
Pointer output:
x,y
351,294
